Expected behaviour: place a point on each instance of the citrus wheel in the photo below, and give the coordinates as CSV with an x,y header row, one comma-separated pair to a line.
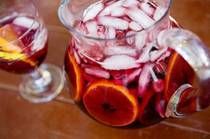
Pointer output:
x,y
74,74
110,104
178,73
11,47
7,35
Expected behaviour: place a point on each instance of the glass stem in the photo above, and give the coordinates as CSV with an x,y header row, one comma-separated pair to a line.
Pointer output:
x,y
41,80
36,74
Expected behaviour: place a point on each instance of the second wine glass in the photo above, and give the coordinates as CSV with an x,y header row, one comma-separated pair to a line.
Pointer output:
x,y
23,47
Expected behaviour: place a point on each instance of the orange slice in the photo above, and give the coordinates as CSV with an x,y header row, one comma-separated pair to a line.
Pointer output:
x,y
10,46
110,104
74,73
7,34
179,72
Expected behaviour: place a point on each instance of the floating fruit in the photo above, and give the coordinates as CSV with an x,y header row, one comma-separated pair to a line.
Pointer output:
x,y
8,35
110,104
178,73
10,46
74,74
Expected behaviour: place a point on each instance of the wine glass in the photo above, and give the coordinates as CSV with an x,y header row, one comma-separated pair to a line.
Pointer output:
x,y
23,47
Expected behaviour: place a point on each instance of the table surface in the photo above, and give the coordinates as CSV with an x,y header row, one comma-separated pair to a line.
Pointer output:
x,y
60,119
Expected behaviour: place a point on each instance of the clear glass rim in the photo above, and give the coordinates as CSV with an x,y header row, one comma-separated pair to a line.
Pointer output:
x,y
74,31
35,17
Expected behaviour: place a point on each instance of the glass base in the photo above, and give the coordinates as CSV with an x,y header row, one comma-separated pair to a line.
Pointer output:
x,y
43,85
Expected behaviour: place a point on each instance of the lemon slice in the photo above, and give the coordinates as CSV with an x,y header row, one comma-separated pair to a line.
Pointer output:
x,y
11,52
16,57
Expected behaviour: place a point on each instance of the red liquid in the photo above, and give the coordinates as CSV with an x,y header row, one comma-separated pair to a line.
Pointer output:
x,y
23,59
118,96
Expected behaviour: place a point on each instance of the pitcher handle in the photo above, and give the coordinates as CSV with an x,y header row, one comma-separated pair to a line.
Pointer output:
x,y
197,55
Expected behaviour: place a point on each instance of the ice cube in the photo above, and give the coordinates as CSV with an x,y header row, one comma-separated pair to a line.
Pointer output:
x,y
120,50
145,55
159,12
107,10
158,84
116,23
92,28
160,67
130,37
77,57
154,55
135,26
92,11
119,62
83,57
118,11
98,72
26,22
140,17
153,75
164,56
131,76
110,33
164,25
81,27
140,39
118,3
147,8
130,3
92,52
40,41
144,79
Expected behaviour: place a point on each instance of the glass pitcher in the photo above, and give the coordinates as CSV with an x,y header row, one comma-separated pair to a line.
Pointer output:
x,y
130,63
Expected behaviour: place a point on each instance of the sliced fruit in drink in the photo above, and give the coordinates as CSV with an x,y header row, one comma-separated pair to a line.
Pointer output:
x,y
10,46
75,76
110,104
7,35
178,73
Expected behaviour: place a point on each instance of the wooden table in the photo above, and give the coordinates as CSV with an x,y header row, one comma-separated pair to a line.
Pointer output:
x,y
60,119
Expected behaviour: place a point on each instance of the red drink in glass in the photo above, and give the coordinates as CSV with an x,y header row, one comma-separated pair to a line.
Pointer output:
x,y
19,52
23,48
